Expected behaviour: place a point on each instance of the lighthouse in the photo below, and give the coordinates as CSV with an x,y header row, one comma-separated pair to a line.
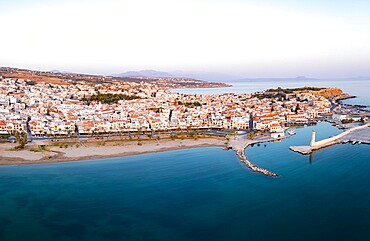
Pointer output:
x,y
312,143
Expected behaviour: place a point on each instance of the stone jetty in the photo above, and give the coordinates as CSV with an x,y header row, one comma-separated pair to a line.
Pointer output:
x,y
360,134
239,147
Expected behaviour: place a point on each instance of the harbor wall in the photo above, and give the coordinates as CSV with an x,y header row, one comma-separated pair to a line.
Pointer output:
x,y
335,138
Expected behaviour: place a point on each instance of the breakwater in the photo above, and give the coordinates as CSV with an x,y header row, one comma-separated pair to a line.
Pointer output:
x,y
243,158
239,147
360,134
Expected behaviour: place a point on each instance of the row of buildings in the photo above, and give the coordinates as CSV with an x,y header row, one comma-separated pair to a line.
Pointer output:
x,y
56,109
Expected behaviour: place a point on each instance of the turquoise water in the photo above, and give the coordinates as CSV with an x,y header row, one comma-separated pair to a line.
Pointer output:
x,y
195,194
360,88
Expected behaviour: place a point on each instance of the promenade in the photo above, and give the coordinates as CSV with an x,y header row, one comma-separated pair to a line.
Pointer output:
x,y
239,145
360,134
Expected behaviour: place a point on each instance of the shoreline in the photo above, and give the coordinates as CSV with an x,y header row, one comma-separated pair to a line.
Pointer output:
x,y
92,152
344,97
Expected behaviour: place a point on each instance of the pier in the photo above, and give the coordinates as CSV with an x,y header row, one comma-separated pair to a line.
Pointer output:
x,y
239,146
360,134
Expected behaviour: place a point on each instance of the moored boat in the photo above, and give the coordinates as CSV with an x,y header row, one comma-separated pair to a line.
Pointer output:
x,y
291,132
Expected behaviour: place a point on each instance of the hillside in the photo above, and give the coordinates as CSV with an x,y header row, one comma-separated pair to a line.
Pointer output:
x,y
62,78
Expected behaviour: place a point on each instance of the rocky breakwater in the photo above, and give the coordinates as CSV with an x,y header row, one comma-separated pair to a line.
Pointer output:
x,y
243,158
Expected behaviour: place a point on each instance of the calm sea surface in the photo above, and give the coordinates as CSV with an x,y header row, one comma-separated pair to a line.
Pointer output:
x,y
195,194
360,88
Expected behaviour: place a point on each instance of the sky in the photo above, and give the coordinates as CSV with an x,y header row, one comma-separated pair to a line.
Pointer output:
x,y
251,38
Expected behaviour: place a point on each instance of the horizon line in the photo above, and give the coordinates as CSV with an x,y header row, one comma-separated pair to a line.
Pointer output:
x,y
187,71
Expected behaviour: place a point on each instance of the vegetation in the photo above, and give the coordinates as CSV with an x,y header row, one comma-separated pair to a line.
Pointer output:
x,y
38,149
30,82
21,139
278,95
281,94
109,98
62,144
296,108
190,104
347,121
290,91
4,136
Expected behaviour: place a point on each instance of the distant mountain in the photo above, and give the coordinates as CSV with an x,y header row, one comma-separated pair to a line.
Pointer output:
x,y
55,71
61,72
144,73
299,78
207,76
199,75
221,77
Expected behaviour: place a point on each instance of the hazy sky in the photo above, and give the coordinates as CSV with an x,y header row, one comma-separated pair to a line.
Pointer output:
x,y
255,38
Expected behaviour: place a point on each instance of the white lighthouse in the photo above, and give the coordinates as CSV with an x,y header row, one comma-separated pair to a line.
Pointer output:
x,y
312,143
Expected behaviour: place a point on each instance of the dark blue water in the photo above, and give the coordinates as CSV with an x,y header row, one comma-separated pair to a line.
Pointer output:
x,y
196,194
360,88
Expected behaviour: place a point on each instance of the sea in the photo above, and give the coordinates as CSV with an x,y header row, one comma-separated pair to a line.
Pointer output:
x,y
358,88
194,194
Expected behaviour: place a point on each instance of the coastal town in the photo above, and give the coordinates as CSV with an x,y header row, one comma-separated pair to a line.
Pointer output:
x,y
86,109
178,120
41,112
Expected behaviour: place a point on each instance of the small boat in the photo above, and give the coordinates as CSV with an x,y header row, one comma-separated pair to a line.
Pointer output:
x,y
334,124
291,132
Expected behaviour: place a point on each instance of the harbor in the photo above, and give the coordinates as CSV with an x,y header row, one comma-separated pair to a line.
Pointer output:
x,y
360,134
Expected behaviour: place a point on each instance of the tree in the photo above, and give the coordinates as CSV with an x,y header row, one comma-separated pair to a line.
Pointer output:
x,y
296,108
21,139
110,98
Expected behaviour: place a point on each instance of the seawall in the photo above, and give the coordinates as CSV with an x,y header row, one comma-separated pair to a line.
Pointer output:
x,y
337,137
360,134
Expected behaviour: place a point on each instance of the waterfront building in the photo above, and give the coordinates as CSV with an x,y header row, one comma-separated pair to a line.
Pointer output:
x,y
56,109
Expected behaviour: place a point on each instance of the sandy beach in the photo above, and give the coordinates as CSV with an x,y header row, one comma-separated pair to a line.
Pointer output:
x,y
58,152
